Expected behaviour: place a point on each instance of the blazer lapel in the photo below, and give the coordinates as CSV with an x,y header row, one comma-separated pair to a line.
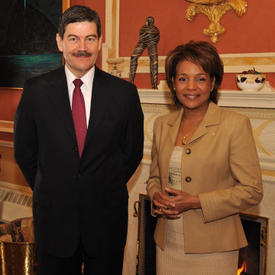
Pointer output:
x,y
174,124
170,129
212,117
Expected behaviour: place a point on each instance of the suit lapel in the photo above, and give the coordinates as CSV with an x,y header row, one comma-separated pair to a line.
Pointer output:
x,y
98,103
58,95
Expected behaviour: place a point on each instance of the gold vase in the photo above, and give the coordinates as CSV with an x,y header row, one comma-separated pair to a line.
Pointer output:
x,y
18,258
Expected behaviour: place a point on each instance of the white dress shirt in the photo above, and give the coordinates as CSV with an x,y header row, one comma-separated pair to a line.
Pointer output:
x,y
86,88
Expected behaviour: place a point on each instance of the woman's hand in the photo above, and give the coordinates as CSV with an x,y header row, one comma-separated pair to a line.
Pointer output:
x,y
182,201
164,206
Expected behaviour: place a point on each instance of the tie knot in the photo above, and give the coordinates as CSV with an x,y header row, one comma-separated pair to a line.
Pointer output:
x,y
77,82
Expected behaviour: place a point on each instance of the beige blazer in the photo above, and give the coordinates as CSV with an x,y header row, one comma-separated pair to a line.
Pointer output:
x,y
220,164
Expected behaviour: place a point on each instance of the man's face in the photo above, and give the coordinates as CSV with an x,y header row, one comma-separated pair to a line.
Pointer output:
x,y
80,46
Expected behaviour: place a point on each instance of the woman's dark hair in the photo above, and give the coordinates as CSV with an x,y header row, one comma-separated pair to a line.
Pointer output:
x,y
201,53
78,14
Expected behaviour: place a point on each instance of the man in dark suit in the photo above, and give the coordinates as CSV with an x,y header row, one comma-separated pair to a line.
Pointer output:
x,y
79,174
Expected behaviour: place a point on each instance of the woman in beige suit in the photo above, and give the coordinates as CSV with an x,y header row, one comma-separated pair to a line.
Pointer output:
x,y
205,170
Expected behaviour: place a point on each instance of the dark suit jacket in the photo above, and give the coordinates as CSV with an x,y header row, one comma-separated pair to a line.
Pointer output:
x,y
79,198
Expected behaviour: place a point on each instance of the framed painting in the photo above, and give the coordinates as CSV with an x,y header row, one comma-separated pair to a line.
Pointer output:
x,y
28,48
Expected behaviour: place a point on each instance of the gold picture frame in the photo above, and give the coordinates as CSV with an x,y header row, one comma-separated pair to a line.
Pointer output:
x,y
65,4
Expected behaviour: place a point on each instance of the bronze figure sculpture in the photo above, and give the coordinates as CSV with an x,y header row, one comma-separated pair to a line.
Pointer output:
x,y
148,38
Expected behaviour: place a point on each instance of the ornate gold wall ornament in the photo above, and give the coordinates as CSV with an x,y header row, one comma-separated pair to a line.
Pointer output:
x,y
214,10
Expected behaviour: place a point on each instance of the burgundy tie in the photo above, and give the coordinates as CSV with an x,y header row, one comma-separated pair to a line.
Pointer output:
x,y
79,115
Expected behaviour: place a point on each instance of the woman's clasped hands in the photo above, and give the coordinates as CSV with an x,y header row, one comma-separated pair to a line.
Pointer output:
x,y
172,203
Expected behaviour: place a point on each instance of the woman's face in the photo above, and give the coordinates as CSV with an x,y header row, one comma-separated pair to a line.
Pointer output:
x,y
193,86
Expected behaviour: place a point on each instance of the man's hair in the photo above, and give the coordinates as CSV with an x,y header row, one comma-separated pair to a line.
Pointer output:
x,y
78,14
201,53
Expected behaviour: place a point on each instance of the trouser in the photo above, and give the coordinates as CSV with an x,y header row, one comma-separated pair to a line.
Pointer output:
x,y
108,264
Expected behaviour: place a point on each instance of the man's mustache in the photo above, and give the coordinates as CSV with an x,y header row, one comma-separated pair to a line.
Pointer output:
x,y
82,53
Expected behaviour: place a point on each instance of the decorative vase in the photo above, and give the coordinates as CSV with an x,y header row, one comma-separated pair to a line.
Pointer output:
x,y
250,80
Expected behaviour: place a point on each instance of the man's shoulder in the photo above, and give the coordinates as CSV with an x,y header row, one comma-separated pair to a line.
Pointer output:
x,y
113,81
48,77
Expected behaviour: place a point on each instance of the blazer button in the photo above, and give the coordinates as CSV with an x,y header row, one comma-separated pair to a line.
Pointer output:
x,y
188,179
188,151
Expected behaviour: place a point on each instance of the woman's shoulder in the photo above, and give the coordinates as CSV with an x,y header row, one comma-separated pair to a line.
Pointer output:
x,y
230,115
225,114
232,121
